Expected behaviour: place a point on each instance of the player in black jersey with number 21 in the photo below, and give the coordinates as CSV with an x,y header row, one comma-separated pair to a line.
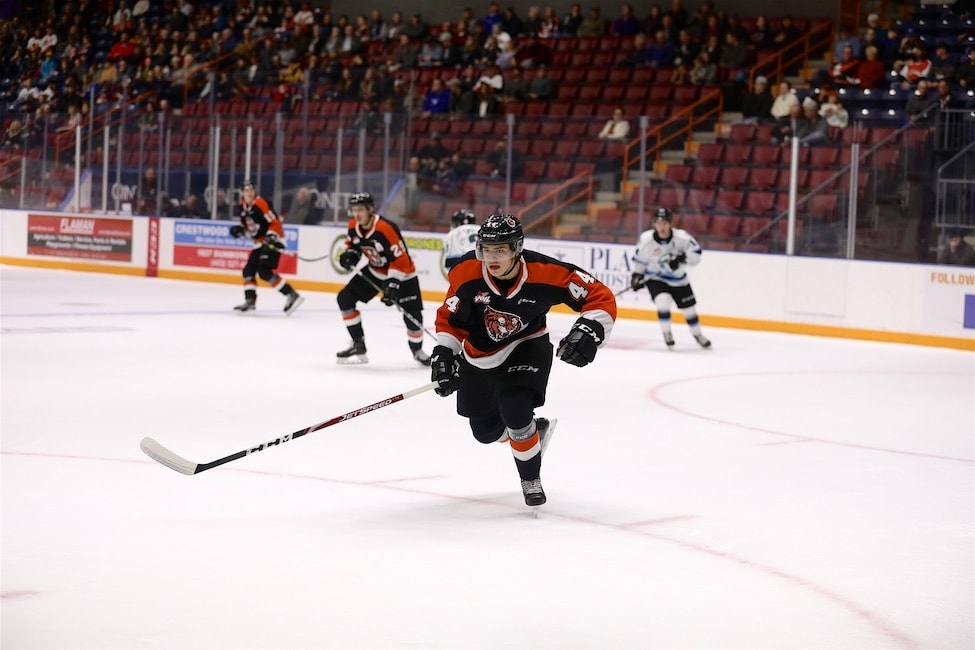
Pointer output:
x,y
493,344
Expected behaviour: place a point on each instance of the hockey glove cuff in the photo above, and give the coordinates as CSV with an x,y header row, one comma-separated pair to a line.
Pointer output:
x,y
349,258
636,281
445,370
580,344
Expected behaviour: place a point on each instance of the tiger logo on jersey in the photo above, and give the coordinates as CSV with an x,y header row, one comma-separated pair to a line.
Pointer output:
x,y
500,325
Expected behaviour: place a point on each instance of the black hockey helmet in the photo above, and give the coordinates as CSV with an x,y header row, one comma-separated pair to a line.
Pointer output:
x,y
248,184
362,198
462,217
501,229
663,213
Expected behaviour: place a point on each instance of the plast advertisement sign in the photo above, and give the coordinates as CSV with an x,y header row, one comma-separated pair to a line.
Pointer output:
x,y
210,245
80,237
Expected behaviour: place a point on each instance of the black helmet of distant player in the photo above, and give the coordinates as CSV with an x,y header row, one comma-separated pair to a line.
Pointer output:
x,y
501,229
663,213
462,217
364,200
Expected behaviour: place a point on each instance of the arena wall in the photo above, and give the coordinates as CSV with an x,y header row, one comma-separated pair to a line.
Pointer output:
x,y
879,301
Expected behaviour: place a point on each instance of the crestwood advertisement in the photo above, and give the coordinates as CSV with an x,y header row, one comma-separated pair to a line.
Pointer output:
x,y
84,237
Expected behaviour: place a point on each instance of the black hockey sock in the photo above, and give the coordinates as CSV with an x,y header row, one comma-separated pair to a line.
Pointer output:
x,y
250,294
529,469
356,332
286,289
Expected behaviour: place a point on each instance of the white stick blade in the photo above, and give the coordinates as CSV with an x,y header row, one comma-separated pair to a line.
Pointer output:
x,y
164,456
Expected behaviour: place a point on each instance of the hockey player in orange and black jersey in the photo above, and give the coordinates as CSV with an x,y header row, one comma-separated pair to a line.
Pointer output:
x,y
390,269
259,222
493,345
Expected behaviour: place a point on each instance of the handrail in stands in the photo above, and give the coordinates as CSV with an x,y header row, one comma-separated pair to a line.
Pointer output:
x,y
663,133
773,66
552,196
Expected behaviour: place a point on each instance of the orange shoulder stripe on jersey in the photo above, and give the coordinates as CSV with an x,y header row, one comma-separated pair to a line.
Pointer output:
x,y
465,272
598,297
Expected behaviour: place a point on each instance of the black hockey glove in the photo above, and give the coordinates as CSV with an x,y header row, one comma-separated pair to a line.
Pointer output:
x,y
677,261
237,230
636,281
349,258
579,345
272,241
445,370
391,292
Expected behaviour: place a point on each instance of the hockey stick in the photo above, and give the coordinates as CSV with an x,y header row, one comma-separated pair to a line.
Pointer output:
x,y
630,288
408,315
173,461
312,259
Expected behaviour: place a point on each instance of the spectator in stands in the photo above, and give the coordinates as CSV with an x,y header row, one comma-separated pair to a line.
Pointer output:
x,y
871,72
626,24
616,128
834,112
784,101
542,86
786,34
431,153
704,72
654,20
533,53
660,54
551,24
148,191
843,72
966,71
486,101
637,55
916,68
193,208
918,102
846,38
788,126
943,64
395,27
533,21
436,103
512,23
760,36
491,78
813,130
734,53
493,17
572,21
15,137
956,250
593,24
756,106
304,210
515,89
506,57
406,56
498,159
416,29
432,52
685,51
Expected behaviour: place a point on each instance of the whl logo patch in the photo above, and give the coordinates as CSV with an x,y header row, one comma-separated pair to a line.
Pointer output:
x,y
501,325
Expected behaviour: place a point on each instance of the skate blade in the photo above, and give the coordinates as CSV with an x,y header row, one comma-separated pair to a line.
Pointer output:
x,y
295,306
356,360
549,434
535,511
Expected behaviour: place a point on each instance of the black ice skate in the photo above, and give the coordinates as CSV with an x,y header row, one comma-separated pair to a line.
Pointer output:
x,y
546,428
534,494
292,303
355,354
669,339
422,357
702,341
249,304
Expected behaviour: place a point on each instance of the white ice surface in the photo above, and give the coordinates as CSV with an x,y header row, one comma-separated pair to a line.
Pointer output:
x,y
778,491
